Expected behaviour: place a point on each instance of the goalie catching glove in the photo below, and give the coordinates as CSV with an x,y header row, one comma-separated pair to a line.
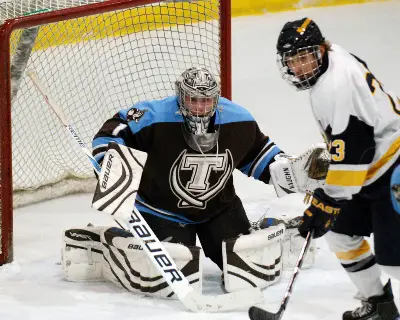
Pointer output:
x,y
320,215
302,174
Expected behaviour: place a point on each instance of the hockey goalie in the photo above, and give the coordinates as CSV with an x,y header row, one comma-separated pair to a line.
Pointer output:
x,y
168,165
113,254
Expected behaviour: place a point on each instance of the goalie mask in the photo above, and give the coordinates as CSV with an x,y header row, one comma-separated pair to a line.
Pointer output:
x,y
198,93
299,53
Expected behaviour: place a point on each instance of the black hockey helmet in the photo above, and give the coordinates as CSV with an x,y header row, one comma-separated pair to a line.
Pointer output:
x,y
299,34
299,54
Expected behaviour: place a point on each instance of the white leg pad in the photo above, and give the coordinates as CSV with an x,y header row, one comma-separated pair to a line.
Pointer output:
x,y
82,254
293,243
127,265
253,260
111,254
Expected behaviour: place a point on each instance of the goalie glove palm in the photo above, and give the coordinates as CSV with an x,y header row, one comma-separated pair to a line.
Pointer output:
x,y
320,215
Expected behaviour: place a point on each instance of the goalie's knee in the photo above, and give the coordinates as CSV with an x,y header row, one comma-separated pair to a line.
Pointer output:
x,y
253,260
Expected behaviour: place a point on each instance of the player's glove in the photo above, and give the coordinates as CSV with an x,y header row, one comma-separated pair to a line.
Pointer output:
x,y
320,215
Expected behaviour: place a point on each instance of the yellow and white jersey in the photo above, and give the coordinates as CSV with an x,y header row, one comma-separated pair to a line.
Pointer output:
x,y
360,120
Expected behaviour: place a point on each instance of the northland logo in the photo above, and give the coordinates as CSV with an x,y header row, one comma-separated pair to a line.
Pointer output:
x,y
107,172
199,189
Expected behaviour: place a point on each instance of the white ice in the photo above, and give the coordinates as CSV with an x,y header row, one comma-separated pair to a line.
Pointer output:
x,y
32,287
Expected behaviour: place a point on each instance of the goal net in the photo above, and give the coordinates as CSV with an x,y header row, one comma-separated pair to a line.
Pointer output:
x,y
95,58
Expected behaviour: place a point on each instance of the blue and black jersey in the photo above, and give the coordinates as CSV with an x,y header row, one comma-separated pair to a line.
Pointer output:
x,y
179,183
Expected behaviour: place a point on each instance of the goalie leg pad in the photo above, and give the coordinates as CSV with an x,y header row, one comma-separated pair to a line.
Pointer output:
x,y
293,243
253,260
82,254
128,266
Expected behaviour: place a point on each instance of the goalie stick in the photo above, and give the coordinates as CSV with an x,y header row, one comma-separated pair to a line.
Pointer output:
x,y
256,313
156,252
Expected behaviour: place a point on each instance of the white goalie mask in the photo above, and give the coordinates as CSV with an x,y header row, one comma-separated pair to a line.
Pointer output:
x,y
198,93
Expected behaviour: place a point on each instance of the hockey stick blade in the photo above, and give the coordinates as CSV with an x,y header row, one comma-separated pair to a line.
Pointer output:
x,y
192,300
256,313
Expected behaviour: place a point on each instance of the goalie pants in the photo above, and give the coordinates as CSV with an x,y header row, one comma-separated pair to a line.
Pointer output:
x,y
230,223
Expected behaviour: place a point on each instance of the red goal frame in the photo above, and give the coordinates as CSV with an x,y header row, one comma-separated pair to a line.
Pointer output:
x,y
6,186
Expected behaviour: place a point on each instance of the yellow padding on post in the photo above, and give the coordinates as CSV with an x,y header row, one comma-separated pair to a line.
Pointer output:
x,y
353,254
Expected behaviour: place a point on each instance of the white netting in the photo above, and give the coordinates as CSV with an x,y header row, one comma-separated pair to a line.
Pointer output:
x,y
14,9
93,67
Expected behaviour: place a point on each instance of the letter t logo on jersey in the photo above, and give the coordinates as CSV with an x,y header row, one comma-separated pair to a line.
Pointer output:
x,y
199,189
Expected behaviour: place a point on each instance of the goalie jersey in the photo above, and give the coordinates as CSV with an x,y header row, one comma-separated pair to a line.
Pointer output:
x,y
178,183
360,120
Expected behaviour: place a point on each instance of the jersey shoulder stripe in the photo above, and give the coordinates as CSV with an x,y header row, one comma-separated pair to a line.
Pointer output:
x,y
230,112
147,113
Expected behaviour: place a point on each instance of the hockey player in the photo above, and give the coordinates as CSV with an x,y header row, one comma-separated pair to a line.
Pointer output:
x,y
194,141
360,121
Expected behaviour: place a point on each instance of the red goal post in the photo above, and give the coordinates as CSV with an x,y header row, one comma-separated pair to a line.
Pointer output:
x,y
95,59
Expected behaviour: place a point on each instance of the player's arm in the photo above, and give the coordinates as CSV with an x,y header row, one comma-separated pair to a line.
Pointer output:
x,y
259,157
122,129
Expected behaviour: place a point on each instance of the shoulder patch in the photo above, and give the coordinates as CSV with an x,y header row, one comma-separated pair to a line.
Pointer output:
x,y
134,114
